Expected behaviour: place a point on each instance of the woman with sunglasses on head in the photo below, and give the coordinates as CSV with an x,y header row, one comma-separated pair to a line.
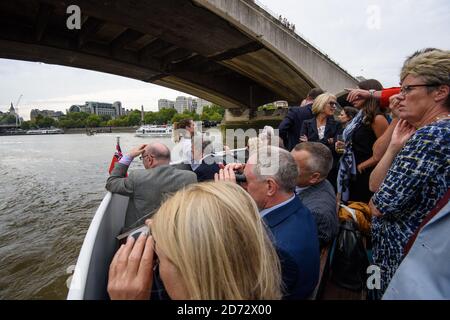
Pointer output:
x,y
323,128
211,244
357,161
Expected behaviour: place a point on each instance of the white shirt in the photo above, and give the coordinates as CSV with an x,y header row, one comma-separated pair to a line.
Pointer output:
x,y
321,131
263,212
186,144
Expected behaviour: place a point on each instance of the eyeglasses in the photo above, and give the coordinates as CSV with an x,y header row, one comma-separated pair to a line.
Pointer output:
x,y
407,89
141,157
333,104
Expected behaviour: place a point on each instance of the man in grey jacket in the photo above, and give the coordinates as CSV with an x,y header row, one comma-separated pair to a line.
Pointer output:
x,y
149,187
314,161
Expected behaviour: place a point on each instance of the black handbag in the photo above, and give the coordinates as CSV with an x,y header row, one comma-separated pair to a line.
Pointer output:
x,y
349,262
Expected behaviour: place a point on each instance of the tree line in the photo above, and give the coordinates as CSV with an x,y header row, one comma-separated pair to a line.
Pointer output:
x,y
86,120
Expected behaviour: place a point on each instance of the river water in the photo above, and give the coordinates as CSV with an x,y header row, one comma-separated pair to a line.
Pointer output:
x,y
50,188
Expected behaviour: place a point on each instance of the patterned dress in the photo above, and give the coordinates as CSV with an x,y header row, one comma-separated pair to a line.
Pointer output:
x,y
416,181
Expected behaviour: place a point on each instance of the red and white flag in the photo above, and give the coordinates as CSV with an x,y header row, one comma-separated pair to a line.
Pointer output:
x,y
116,157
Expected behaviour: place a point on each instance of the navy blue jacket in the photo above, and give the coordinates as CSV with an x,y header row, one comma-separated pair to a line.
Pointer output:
x,y
309,129
206,170
294,233
289,128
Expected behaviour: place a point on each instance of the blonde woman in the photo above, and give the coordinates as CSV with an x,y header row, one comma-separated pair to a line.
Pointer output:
x,y
211,244
323,128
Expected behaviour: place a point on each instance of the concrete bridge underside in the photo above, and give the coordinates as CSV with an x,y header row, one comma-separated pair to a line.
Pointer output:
x,y
230,52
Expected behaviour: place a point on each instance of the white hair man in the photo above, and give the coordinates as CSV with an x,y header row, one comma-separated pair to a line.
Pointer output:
x,y
271,176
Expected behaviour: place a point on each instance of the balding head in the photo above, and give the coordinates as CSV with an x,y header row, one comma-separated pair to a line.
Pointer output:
x,y
157,154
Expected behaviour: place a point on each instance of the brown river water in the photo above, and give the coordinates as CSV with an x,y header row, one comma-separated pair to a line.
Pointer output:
x,y
50,188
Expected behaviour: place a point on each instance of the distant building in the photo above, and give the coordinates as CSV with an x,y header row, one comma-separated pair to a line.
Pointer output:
x,y
113,110
198,104
12,111
183,103
165,104
46,113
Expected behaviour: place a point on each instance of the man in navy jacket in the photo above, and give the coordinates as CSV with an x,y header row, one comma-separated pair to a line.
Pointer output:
x,y
271,182
289,128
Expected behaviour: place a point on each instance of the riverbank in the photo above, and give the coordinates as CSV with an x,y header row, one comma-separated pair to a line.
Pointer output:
x,y
79,131
100,130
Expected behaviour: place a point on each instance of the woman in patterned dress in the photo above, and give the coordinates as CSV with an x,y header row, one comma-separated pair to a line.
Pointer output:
x,y
416,164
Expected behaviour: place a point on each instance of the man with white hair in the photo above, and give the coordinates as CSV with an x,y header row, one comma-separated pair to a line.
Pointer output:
x,y
271,176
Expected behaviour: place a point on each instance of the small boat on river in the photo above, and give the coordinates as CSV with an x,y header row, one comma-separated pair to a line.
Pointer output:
x,y
154,131
45,131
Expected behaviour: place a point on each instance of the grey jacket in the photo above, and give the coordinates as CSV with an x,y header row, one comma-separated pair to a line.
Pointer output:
x,y
320,199
147,189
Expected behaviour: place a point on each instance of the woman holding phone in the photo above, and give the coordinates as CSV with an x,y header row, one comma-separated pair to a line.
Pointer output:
x,y
199,236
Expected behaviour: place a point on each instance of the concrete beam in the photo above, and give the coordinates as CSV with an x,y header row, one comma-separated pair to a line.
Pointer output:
x,y
315,67
45,11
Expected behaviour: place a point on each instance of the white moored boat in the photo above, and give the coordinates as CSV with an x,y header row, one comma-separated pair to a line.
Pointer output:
x,y
45,131
154,131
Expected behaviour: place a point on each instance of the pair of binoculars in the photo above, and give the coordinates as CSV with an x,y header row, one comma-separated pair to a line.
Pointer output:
x,y
240,177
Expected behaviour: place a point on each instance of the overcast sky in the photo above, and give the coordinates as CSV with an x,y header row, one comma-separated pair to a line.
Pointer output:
x,y
367,38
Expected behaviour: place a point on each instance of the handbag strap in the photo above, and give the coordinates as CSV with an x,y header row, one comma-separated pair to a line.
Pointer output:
x,y
352,212
439,205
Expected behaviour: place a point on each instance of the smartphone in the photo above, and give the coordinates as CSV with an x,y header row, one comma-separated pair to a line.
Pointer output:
x,y
133,232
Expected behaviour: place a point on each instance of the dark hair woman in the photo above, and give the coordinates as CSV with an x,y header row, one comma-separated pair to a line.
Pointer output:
x,y
357,162
347,114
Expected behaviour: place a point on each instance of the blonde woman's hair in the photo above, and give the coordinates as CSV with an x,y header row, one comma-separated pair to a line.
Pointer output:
x,y
320,102
214,236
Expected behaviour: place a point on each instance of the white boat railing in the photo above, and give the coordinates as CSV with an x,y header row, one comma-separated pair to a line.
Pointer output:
x,y
78,284
90,278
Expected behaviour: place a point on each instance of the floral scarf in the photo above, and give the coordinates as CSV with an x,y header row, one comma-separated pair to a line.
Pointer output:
x,y
347,163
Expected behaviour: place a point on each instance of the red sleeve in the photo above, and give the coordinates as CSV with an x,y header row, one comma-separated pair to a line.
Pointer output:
x,y
386,94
